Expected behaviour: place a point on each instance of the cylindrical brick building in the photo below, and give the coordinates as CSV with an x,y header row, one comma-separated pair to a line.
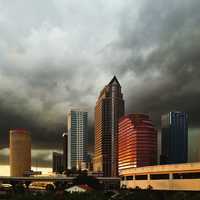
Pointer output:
x,y
20,152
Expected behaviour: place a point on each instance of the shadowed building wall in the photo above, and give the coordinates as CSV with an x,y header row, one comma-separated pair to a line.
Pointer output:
x,y
20,152
174,138
65,151
57,166
109,108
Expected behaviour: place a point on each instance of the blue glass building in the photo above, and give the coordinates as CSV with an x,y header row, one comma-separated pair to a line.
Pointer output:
x,y
174,138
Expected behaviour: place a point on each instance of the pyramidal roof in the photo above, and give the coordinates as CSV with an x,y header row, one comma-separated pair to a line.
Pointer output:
x,y
114,80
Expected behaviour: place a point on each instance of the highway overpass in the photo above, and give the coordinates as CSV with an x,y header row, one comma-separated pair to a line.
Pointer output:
x,y
107,182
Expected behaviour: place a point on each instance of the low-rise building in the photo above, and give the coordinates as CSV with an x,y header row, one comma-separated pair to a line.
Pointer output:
x,y
79,188
184,177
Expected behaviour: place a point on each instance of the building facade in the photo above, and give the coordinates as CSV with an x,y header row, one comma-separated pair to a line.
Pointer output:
x,y
58,166
174,138
20,152
109,108
77,125
65,151
137,142
172,177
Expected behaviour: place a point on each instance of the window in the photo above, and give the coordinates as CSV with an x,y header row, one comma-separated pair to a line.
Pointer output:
x,y
159,176
187,175
128,178
141,177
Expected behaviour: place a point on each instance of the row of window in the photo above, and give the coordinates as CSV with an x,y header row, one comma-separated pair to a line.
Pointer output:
x,y
194,175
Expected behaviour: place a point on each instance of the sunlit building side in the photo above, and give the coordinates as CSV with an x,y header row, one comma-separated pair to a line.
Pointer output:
x,y
137,142
20,152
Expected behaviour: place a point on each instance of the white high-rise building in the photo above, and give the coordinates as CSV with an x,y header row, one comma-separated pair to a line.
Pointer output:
x,y
77,125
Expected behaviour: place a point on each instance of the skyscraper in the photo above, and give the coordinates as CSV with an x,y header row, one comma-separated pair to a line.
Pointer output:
x,y
20,152
77,125
57,162
174,138
109,108
137,141
65,151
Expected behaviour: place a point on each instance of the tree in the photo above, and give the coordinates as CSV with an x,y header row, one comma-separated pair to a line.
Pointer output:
x,y
50,188
89,180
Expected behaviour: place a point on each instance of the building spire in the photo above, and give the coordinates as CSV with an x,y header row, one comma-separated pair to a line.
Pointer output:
x,y
114,80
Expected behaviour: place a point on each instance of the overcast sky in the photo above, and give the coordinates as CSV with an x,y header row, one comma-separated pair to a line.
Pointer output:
x,y
58,54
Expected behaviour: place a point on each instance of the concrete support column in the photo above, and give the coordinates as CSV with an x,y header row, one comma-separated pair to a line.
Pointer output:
x,y
14,183
170,176
27,183
148,177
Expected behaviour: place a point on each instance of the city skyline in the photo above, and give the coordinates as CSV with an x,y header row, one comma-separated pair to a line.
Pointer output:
x,y
61,54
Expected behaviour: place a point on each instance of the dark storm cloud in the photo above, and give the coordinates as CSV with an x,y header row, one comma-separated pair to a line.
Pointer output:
x,y
48,64
158,52
55,55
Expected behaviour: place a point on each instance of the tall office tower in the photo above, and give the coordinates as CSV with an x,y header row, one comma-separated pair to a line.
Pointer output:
x,y
57,162
174,138
109,108
65,151
20,152
77,125
137,141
